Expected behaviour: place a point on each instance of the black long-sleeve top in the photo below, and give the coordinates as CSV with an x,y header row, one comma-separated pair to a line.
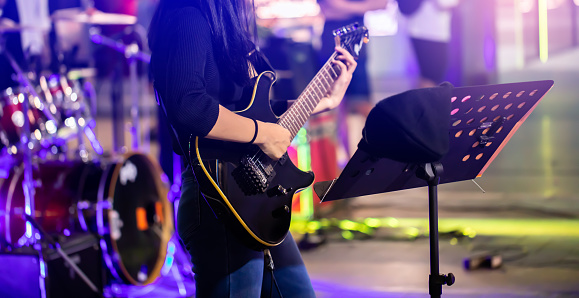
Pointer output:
x,y
187,75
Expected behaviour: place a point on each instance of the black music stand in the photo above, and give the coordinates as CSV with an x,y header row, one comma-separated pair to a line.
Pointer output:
x,y
483,119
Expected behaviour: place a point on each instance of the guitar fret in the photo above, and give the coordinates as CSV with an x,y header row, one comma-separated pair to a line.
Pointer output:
x,y
305,112
321,87
310,105
295,126
295,130
325,76
315,100
321,94
337,69
293,120
334,72
324,83
298,115
309,95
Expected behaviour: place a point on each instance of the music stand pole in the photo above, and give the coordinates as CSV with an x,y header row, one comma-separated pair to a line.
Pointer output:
x,y
430,173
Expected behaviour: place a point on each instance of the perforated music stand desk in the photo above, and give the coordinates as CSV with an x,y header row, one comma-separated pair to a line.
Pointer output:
x,y
483,119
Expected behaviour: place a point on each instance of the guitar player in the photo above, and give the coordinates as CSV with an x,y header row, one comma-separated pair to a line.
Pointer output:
x,y
203,58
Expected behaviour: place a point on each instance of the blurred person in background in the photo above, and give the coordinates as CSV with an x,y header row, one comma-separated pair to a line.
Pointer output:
x,y
429,29
339,13
28,47
335,135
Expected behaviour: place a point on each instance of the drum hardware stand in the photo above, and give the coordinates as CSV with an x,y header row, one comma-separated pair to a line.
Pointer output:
x,y
86,128
63,254
181,265
27,183
483,119
132,54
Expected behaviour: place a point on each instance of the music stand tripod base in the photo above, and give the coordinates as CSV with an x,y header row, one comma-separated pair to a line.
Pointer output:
x,y
483,119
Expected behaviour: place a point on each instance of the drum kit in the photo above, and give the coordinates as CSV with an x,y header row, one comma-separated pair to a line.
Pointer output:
x,y
45,194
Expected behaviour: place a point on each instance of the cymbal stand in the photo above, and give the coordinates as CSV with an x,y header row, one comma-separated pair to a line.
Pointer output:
x,y
133,54
27,183
86,126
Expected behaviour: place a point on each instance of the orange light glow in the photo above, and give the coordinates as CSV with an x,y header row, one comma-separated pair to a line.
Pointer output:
x,y
142,224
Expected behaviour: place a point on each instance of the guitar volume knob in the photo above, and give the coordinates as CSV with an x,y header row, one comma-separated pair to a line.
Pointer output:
x,y
281,211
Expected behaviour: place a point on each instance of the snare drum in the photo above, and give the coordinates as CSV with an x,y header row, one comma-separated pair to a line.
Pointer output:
x,y
125,202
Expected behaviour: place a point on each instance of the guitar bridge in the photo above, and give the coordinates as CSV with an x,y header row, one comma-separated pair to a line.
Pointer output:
x,y
251,177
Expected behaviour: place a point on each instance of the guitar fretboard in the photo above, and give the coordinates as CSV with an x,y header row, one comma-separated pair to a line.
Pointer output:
x,y
296,116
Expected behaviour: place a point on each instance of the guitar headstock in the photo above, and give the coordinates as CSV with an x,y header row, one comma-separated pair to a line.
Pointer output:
x,y
351,37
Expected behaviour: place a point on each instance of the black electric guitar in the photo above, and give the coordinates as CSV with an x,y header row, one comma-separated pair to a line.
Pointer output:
x,y
252,192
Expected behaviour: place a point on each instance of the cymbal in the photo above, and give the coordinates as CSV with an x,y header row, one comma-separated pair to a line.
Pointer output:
x,y
94,17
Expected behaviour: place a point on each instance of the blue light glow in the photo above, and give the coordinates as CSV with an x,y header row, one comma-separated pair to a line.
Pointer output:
x,y
93,140
167,266
169,258
108,260
96,38
28,230
42,269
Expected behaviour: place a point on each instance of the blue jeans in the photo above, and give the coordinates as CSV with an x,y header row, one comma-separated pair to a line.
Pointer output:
x,y
223,266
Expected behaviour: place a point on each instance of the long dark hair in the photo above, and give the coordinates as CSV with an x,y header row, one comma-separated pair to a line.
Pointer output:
x,y
232,24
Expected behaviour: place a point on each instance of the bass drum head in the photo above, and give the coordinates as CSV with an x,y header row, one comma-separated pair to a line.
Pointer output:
x,y
135,219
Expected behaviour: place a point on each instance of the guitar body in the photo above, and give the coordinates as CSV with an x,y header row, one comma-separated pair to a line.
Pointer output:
x,y
261,219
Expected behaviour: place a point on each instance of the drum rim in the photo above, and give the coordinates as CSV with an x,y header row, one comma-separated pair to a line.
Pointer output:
x,y
165,237
18,171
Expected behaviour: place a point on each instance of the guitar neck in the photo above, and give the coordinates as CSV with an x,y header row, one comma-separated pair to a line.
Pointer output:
x,y
296,116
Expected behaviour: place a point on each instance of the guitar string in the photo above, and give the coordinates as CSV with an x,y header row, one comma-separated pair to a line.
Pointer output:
x,y
303,99
288,120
